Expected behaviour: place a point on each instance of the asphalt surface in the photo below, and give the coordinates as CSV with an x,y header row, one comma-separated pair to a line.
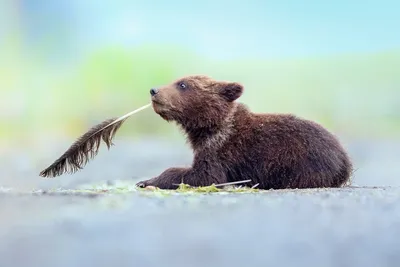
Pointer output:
x,y
358,226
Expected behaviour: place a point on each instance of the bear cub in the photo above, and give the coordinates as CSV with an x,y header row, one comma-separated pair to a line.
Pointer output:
x,y
230,143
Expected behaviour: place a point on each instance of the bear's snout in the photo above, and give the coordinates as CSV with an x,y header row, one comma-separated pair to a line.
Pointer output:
x,y
153,91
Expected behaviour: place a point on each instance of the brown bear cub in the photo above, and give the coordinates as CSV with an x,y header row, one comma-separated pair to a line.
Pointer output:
x,y
230,143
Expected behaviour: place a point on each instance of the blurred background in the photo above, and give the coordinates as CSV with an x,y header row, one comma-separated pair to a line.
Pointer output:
x,y
67,65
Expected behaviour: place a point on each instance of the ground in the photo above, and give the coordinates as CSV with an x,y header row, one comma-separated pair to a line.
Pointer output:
x,y
97,218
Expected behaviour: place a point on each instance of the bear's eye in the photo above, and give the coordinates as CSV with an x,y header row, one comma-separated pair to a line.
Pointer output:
x,y
182,85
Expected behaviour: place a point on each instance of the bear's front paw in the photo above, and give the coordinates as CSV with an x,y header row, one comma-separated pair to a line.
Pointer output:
x,y
142,184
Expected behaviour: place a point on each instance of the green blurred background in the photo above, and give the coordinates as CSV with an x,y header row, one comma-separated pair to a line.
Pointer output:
x,y
67,65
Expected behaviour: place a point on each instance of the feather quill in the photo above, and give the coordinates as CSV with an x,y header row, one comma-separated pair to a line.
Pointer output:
x,y
87,146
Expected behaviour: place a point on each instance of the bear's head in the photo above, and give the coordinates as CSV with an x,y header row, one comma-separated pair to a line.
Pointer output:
x,y
196,101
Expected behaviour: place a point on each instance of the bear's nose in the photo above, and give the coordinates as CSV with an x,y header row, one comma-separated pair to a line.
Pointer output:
x,y
153,91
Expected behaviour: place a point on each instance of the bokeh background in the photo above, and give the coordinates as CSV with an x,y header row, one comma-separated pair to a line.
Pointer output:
x,y
67,65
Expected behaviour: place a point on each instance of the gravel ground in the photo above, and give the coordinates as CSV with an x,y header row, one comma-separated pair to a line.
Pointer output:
x,y
356,226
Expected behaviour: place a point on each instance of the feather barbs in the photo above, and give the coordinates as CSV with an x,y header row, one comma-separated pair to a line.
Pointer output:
x,y
87,146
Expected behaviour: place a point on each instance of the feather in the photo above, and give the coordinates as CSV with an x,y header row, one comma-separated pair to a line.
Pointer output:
x,y
87,146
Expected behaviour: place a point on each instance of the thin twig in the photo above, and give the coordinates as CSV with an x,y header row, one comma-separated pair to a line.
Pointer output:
x,y
254,186
224,184
231,183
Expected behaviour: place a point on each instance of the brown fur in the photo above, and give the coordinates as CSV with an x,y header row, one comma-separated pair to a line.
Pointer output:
x,y
231,143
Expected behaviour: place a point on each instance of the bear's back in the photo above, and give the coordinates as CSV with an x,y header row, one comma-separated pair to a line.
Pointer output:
x,y
282,150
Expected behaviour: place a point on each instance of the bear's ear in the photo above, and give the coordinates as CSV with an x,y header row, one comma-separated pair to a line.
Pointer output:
x,y
231,91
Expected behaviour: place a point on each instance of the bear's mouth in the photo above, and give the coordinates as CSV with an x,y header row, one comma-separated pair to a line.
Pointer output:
x,y
162,109
157,102
158,106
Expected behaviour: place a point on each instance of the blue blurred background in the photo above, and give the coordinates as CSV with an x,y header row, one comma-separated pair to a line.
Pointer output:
x,y
67,65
